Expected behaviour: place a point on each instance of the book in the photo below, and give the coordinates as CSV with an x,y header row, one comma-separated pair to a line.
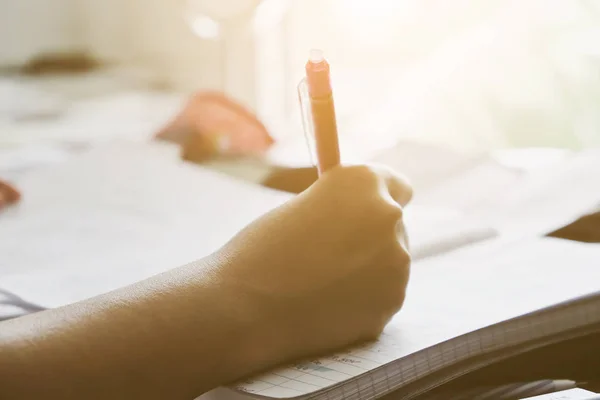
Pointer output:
x,y
464,310
126,211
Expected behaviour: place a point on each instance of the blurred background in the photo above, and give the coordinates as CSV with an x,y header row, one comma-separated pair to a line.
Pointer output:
x,y
466,74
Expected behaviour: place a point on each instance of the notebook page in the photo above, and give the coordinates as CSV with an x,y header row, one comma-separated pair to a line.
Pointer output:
x,y
451,296
547,200
530,201
413,159
436,230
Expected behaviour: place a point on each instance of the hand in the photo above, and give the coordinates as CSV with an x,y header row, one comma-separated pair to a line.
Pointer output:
x,y
212,124
329,268
8,195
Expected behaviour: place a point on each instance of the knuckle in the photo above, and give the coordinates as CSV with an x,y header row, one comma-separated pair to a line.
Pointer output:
x,y
401,263
403,256
408,192
362,173
396,279
375,331
393,211
398,300
388,216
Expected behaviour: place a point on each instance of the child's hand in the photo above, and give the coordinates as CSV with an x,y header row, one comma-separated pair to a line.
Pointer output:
x,y
330,267
211,124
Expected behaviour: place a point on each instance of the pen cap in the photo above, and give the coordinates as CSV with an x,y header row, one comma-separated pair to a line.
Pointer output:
x,y
318,74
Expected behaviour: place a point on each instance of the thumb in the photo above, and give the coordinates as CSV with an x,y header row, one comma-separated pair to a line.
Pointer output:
x,y
397,185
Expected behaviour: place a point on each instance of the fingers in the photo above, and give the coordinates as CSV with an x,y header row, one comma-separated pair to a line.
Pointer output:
x,y
397,185
372,177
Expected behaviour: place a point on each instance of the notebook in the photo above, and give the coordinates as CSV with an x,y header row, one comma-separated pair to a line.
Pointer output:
x,y
127,211
463,311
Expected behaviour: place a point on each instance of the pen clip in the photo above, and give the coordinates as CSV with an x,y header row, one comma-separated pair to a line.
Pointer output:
x,y
307,119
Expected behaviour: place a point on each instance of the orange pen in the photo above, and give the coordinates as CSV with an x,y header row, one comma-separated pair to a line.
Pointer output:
x,y
319,119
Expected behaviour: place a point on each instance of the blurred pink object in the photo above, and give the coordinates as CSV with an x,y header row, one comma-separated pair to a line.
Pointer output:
x,y
8,195
213,125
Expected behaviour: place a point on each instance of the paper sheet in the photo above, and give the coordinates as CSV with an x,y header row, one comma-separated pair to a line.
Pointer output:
x,y
429,166
527,192
573,394
436,230
549,199
518,201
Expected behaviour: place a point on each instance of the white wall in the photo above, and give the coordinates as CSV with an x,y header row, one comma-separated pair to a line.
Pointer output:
x,y
151,34
30,27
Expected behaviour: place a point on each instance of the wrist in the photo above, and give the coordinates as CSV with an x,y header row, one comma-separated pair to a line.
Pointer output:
x,y
263,339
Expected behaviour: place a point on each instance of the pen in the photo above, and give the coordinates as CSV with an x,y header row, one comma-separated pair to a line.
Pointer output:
x,y
517,391
322,108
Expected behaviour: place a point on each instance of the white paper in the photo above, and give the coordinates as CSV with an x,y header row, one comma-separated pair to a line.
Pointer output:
x,y
427,166
572,394
15,162
549,199
514,201
475,186
436,230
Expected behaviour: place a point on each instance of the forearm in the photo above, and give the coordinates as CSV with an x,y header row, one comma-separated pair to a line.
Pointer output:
x,y
174,336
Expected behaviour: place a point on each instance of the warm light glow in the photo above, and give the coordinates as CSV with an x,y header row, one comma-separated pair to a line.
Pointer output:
x,y
205,27
371,20
221,10
364,9
268,14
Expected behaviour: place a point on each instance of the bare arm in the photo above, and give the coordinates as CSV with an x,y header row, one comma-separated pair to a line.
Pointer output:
x,y
174,336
